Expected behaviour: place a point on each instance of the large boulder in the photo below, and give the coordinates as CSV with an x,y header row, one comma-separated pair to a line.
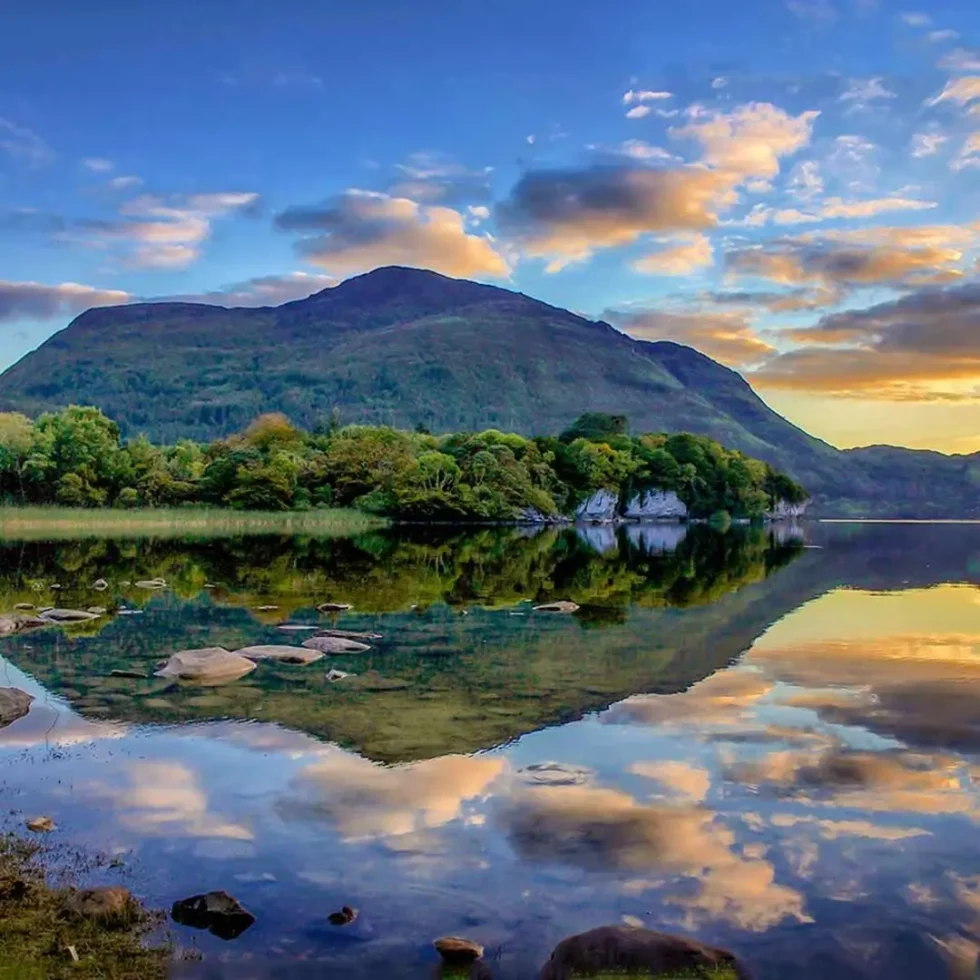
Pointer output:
x,y
631,952
69,616
212,665
335,645
656,505
218,912
282,654
600,508
14,704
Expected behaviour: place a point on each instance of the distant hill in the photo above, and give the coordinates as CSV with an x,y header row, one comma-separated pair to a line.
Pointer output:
x,y
406,347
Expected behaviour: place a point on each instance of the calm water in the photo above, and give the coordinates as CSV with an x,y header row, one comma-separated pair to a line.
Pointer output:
x,y
769,741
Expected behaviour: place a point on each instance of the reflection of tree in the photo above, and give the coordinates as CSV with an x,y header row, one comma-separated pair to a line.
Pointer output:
x,y
390,571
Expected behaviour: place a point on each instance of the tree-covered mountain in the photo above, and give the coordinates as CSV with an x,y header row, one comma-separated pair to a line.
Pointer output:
x,y
407,348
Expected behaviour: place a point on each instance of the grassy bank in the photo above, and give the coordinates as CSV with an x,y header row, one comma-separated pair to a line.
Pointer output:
x,y
56,523
39,930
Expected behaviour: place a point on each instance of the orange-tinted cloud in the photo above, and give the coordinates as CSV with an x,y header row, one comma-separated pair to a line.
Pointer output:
x,y
680,259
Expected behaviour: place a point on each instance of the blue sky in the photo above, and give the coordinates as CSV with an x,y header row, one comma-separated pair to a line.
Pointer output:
x,y
792,187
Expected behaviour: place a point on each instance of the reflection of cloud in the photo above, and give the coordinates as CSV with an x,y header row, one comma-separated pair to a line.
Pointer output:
x,y
164,798
604,829
683,780
833,829
365,799
720,700
890,781
51,726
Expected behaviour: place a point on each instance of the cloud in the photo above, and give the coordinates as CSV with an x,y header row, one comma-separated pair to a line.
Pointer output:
x,y
943,35
479,212
433,178
98,165
35,301
916,19
833,208
835,829
960,90
645,95
750,140
164,232
927,144
787,301
362,230
638,112
634,149
960,60
805,181
682,259
124,183
24,145
862,91
725,336
969,153
683,781
863,257
263,290
604,830
819,12
364,799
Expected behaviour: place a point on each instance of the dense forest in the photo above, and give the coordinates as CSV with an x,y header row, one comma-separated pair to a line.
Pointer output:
x,y
76,457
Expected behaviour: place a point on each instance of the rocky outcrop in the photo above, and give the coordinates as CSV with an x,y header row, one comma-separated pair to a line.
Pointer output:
x,y
600,508
212,665
783,510
14,704
640,952
656,505
335,645
531,515
218,912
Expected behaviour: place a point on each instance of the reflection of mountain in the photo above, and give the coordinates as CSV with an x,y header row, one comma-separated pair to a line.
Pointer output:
x,y
651,621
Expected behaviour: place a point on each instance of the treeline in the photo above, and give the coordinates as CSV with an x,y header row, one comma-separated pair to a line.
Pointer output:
x,y
76,458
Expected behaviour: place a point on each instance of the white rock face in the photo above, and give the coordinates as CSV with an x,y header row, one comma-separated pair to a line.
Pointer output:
x,y
656,539
599,537
599,508
784,510
656,505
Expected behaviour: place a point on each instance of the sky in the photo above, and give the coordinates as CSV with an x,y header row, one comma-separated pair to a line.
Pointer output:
x,y
790,186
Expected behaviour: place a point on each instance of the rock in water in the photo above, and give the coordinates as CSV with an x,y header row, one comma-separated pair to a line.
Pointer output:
x,y
266,608
283,654
626,950
562,606
14,704
211,665
40,825
68,616
458,951
349,634
334,675
342,918
151,583
218,912
9,625
24,605
100,585
114,907
334,607
335,644
125,672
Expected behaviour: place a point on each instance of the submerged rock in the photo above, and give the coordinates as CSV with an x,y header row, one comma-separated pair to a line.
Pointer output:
x,y
212,664
136,674
629,951
561,606
297,627
113,906
40,825
342,918
68,616
151,583
97,610
100,585
333,675
24,605
218,912
334,607
283,654
349,634
14,704
458,951
335,644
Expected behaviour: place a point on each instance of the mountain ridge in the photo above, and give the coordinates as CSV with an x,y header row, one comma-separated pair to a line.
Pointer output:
x,y
409,347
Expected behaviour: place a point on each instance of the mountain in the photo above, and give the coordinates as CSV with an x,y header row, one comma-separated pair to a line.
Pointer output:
x,y
405,347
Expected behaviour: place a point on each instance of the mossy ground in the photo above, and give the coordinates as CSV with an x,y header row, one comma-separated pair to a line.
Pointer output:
x,y
37,929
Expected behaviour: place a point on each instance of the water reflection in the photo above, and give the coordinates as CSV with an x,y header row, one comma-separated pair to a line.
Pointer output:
x,y
789,770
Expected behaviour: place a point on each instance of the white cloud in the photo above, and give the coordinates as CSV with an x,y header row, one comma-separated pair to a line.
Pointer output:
x,y
969,154
479,212
836,207
804,181
36,301
916,19
638,112
98,165
645,95
943,35
719,83
959,90
24,144
681,259
927,144
860,91
960,60
124,183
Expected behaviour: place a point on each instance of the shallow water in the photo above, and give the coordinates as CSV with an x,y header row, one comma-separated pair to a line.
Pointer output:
x,y
768,741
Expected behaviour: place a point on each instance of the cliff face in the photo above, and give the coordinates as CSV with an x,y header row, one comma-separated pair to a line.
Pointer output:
x,y
784,510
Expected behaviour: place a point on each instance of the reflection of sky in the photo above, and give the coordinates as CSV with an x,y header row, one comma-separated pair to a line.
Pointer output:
x,y
814,808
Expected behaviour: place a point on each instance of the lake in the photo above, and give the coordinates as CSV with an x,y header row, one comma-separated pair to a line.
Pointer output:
x,y
766,738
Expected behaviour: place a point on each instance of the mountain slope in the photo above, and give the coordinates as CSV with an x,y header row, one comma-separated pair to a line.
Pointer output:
x,y
406,346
